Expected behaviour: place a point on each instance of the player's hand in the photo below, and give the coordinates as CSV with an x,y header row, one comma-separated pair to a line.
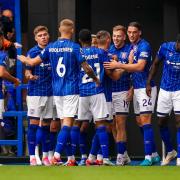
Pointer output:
x,y
17,45
22,58
32,77
17,82
148,90
130,94
111,65
115,58
97,81
131,57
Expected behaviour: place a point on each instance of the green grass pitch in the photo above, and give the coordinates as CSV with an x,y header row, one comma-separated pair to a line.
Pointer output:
x,y
89,173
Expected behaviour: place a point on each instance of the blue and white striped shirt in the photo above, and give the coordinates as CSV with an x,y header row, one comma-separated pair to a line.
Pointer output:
x,y
122,84
43,85
95,57
171,70
142,50
65,58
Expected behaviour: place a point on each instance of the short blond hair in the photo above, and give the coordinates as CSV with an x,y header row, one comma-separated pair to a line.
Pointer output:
x,y
39,28
119,28
102,36
67,23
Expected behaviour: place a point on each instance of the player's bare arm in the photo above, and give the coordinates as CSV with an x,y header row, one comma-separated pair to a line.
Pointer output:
x,y
138,67
5,75
130,94
116,73
131,57
29,61
152,73
30,76
89,71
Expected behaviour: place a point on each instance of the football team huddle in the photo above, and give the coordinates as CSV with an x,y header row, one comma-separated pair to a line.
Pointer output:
x,y
72,84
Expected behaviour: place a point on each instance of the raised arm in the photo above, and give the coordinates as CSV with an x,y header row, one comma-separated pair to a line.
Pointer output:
x,y
138,67
30,61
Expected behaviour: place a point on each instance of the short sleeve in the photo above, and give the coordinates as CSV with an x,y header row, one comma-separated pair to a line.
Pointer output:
x,y
44,55
78,52
160,53
144,52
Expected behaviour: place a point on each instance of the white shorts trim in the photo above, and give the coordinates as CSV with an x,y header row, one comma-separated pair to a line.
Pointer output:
x,y
144,104
110,111
120,103
95,105
168,101
66,106
40,107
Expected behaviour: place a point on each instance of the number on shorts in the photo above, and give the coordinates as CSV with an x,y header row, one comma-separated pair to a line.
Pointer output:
x,y
126,104
60,69
86,78
147,102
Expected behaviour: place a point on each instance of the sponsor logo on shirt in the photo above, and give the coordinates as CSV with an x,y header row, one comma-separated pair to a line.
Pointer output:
x,y
123,55
44,65
144,54
175,65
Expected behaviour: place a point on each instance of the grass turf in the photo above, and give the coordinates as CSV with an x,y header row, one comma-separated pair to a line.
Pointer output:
x,y
89,173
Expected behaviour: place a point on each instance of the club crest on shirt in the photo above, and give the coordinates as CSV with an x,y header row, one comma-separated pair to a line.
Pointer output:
x,y
170,54
123,55
144,54
135,48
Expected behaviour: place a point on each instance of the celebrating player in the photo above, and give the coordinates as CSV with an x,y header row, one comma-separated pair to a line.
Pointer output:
x,y
169,94
143,104
65,59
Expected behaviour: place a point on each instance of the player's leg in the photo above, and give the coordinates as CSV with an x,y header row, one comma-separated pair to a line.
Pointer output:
x,y
84,114
100,111
83,142
121,108
45,141
34,119
67,107
75,133
155,156
39,135
46,116
109,127
54,129
145,108
164,108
